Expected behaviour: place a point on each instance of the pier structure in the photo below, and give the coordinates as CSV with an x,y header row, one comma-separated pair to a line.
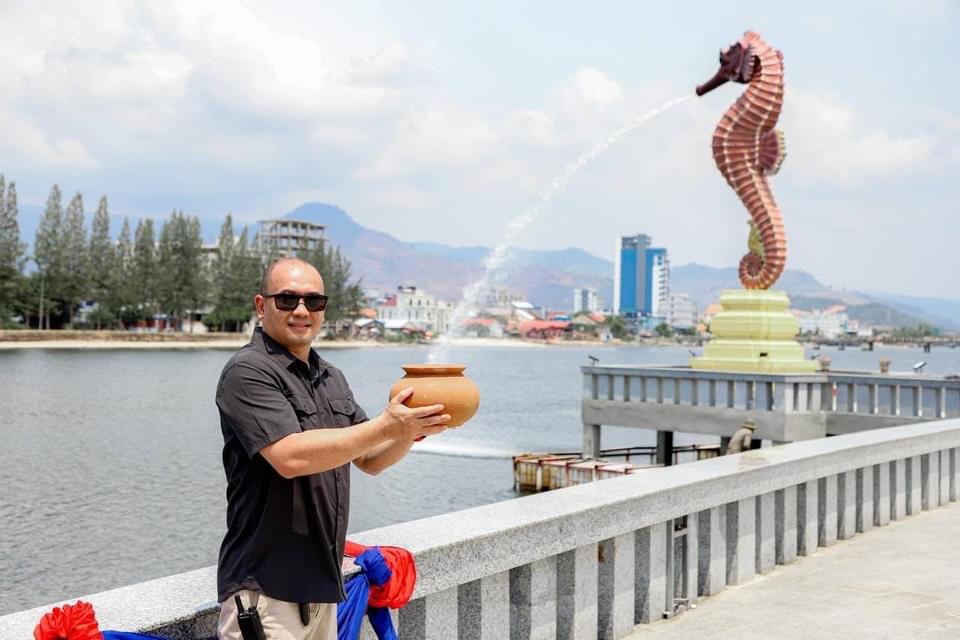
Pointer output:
x,y
605,559
785,407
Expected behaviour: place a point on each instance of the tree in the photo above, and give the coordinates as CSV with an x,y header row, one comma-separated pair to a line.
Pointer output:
x,y
663,330
49,252
11,250
102,261
75,284
143,272
123,298
182,282
618,329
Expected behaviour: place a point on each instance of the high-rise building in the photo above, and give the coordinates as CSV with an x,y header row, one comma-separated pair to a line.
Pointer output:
x,y
641,279
586,299
681,311
288,236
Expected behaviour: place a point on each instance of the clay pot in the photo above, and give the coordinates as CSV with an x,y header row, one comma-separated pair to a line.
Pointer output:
x,y
884,365
440,383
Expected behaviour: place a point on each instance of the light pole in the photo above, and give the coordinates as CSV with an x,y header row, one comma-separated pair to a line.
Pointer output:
x,y
42,279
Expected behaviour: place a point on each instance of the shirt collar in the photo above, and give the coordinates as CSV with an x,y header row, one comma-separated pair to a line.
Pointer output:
x,y
274,348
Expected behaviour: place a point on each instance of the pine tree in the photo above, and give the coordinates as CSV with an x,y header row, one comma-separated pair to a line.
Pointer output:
x,y
11,250
75,284
123,298
102,261
49,253
143,274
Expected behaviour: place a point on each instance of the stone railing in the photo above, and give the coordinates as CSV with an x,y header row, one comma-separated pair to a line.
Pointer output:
x,y
786,407
594,560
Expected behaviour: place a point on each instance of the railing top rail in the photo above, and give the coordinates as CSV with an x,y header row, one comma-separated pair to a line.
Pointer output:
x,y
661,371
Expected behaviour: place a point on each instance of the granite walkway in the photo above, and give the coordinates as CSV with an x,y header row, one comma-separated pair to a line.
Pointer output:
x,y
900,581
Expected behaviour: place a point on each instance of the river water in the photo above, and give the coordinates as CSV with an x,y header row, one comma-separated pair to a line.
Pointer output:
x,y
111,468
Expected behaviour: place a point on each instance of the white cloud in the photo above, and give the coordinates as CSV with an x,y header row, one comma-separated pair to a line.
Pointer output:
x,y
592,86
827,144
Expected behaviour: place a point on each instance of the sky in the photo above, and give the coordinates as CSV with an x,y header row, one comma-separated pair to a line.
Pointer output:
x,y
443,121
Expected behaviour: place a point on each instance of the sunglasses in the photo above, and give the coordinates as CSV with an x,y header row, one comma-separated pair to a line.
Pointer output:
x,y
290,301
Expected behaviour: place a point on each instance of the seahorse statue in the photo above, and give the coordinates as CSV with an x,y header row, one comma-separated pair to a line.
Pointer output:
x,y
747,148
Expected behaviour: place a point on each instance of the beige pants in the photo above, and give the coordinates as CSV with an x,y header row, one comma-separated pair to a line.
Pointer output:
x,y
281,620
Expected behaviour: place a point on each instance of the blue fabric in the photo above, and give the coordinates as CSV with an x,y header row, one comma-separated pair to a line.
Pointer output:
x,y
124,635
350,612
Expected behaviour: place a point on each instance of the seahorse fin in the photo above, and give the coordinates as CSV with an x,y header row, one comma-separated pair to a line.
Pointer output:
x,y
773,151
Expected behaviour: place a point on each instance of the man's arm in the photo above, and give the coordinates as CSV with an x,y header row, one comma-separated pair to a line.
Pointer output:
x,y
388,436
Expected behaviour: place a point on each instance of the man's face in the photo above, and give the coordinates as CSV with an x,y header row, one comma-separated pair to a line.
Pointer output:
x,y
295,329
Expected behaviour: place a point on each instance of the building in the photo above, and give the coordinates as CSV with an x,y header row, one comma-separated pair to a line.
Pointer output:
x,y
586,300
288,236
681,311
641,279
415,306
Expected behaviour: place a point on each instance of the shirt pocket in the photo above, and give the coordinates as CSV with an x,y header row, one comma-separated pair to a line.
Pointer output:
x,y
306,410
343,410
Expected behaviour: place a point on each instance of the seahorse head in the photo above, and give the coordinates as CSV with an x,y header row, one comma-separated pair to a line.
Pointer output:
x,y
738,63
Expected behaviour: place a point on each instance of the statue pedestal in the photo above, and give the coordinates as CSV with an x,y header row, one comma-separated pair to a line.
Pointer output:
x,y
754,332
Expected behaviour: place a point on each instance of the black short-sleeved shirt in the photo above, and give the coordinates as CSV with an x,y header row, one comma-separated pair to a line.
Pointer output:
x,y
284,537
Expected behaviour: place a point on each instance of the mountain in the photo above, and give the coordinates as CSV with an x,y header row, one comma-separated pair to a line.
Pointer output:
x,y
545,277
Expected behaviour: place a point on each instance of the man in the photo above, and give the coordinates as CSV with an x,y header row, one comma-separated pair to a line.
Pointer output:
x,y
291,428
743,438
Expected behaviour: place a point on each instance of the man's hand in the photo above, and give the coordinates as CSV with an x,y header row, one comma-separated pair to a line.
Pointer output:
x,y
408,424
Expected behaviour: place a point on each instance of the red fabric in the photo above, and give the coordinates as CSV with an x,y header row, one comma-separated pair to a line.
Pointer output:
x,y
397,591
70,622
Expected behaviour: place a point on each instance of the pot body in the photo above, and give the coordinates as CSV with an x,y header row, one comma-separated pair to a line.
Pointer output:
x,y
440,384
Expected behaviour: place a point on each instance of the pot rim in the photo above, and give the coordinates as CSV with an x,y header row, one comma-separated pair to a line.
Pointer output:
x,y
434,369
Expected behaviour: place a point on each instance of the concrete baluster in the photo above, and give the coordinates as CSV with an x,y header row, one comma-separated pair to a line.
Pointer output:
x,y
434,617
533,601
615,594
865,499
766,525
494,607
650,587
881,494
954,473
785,504
898,489
807,517
847,504
577,593
931,480
915,484
741,540
712,550
827,511
692,551
943,495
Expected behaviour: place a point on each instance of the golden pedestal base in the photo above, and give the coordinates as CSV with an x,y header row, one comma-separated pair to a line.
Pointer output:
x,y
754,332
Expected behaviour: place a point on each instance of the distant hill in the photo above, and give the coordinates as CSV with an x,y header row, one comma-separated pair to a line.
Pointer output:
x,y
548,278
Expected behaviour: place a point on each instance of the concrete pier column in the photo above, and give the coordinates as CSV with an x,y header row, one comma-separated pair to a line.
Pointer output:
x,y
577,593
591,441
915,480
615,595
847,504
785,504
712,550
865,510
650,586
827,511
808,499
898,489
665,448
741,540
766,524
882,499
533,600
